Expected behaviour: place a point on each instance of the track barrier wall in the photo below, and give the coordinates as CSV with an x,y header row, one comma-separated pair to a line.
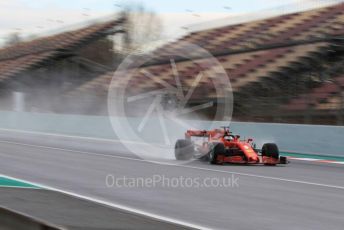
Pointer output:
x,y
308,139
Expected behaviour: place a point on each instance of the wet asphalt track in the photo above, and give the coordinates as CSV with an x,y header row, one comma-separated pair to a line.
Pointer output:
x,y
296,196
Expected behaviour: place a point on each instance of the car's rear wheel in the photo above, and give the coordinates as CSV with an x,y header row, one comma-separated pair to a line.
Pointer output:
x,y
216,150
183,150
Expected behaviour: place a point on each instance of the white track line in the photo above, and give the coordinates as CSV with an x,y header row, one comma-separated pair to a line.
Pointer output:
x,y
303,159
73,137
8,186
83,152
114,205
183,166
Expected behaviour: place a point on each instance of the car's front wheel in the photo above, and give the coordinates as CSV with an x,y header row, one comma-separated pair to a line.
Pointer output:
x,y
270,150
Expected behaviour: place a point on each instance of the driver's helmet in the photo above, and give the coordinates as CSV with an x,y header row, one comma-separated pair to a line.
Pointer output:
x,y
228,137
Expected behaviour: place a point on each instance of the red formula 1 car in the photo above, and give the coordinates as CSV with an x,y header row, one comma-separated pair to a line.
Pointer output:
x,y
221,146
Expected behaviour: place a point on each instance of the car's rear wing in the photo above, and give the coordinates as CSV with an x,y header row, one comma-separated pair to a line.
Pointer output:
x,y
205,133
196,133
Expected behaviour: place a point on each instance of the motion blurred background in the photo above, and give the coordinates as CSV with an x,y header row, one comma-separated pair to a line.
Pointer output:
x,y
285,63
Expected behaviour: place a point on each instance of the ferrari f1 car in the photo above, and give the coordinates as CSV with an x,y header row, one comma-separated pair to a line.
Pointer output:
x,y
220,146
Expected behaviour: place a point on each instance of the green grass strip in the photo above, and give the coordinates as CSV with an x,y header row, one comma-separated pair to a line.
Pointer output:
x,y
7,182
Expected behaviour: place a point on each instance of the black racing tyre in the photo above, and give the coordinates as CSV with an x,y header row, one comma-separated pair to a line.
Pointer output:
x,y
216,150
270,150
183,150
